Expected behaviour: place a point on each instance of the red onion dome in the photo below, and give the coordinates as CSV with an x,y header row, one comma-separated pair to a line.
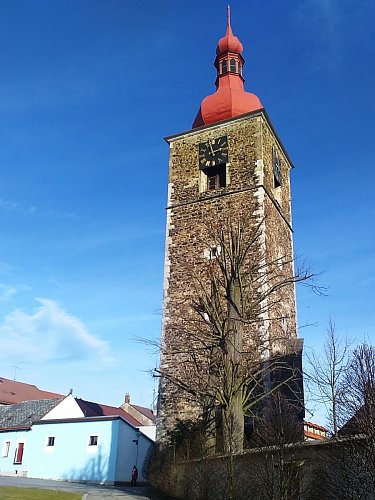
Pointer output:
x,y
230,99
229,43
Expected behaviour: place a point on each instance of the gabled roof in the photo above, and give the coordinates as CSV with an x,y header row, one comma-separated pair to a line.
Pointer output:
x,y
22,415
91,409
355,424
147,412
21,399
12,392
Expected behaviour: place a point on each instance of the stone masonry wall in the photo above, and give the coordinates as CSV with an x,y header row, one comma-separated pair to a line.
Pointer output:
x,y
278,238
190,211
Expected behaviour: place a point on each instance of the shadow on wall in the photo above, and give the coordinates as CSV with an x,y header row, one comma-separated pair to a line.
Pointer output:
x,y
96,470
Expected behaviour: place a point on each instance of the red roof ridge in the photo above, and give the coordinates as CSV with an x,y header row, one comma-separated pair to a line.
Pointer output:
x,y
92,409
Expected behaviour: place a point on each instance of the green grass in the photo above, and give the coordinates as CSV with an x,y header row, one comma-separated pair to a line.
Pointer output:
x,y
13,493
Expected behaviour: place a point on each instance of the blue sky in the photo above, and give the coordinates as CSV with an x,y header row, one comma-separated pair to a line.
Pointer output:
x,y
88,90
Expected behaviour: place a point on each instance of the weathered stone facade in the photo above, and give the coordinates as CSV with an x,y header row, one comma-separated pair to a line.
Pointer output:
x,y
250,191
306,471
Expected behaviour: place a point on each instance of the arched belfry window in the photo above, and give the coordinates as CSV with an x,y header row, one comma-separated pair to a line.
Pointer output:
x,y
224,67
232,66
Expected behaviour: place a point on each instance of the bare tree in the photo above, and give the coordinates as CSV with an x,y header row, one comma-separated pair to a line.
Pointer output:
x,y
358,402
230,337
276,473
326,372
347,471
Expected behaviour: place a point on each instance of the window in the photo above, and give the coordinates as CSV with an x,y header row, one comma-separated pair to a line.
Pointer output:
x,y
51,441
276,167
216,177
215,252
284,323
93,441
224,67
213,182
19,453
232,66
6,446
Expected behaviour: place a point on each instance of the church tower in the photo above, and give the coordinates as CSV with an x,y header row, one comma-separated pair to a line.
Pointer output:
x,y
230,164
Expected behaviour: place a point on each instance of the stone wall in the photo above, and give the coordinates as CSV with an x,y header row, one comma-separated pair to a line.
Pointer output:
x,y
191,210
312,470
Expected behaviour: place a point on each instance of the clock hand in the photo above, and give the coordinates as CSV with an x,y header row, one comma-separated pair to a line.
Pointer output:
x,y
212,151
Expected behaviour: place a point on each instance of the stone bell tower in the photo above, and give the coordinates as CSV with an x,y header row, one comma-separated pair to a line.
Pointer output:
x,y
231,161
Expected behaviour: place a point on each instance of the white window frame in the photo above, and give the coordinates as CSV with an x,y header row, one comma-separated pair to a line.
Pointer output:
x,y
93,436
6,449
212,253
50,448
93,448
54,441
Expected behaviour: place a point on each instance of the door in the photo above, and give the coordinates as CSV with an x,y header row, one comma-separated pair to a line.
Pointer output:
x,y
19,453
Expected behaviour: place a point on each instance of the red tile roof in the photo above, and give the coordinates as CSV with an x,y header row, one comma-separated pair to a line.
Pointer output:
x,y
12,392
91,409
314,431
316,426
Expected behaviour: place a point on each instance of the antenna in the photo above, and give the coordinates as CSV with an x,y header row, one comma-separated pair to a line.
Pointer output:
x,y
153,405
15,368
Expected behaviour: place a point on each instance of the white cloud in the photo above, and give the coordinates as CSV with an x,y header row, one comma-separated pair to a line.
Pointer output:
x,y
6,292
49,335
13,206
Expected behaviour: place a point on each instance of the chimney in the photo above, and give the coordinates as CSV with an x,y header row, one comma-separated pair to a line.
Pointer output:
x,y
127,398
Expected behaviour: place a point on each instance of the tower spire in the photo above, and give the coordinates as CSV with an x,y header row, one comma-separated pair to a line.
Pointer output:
x,y
230,98
229,27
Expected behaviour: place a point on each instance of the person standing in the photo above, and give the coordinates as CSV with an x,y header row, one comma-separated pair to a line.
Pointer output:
x,y
134,476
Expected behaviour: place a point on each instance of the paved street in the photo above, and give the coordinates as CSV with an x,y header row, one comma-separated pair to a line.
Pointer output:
x,y
89,492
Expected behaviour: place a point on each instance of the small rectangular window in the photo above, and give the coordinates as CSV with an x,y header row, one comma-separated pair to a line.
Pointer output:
x,y
215,252
93,441
213,182
51,441
216,177
6,446
276,167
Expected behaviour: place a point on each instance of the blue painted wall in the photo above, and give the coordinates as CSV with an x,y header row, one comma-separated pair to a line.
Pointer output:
x,y
72,458
7,463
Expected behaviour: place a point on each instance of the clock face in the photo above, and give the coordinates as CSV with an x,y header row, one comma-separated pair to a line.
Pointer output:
x,y
213,152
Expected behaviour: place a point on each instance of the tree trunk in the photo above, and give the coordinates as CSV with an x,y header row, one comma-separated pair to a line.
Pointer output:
x,y
233,416
209,414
